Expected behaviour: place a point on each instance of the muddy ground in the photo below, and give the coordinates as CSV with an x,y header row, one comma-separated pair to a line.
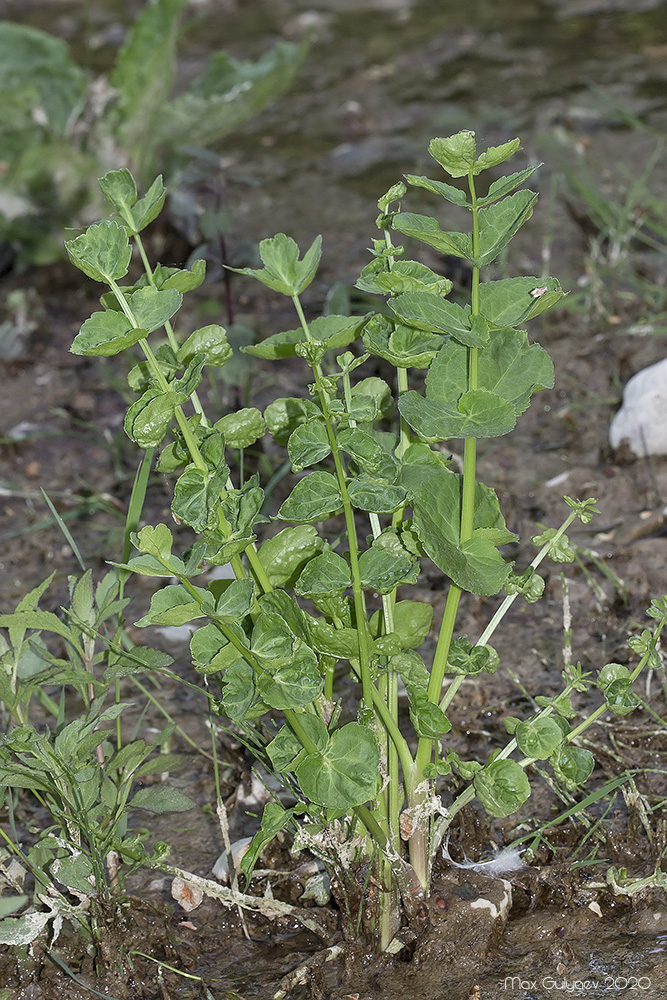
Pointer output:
x,y
361,115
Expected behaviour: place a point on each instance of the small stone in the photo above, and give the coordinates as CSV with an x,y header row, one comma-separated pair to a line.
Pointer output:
x,y
189,896
641,421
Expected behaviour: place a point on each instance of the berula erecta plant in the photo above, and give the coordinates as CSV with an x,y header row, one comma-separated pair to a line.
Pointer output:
x,y
314,600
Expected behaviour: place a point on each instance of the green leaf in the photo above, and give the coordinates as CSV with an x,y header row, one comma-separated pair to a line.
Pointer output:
x,y
272,637
446,191
106,333
276,347
197,494
499,222
375,495
120,189
346,773
242,428
504,185
426,229
274,819
559,548
149,207
572,766
539,738
184,280
148,419
402,346
502,787
455,154
293,684
494,155
239,691
211,341
284,749
509,367
387,564
414,672
45,620
285,414
172,605
161,799
428,719
37,64
308,444
155,541
514,301
412,622
144,73
152,308
430,312
103,252
336,331
343,643
464,658
314,498
206,643
283,271
477,565
405,276
287,607
285,555
478,414
615,681
235,601
76,873
327,573
227,94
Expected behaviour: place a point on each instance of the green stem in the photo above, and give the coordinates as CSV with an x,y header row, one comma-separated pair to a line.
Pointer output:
x,y
367,684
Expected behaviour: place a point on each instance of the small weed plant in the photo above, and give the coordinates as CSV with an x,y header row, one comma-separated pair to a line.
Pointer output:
x,y
311,610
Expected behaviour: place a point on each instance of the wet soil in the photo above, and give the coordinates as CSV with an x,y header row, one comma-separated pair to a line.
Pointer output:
x,y
382,77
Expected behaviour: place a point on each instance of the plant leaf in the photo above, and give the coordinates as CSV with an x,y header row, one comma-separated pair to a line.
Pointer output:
x,y
308,444
513,301
103,252
242,428
284,555
426,229
211,341
375,495
500,221
293,684
327,573
161,799
455,154
477,565
106,333
501,787
346,773
314,498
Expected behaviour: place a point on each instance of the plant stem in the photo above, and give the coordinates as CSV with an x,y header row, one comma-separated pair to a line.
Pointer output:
x,y
367,684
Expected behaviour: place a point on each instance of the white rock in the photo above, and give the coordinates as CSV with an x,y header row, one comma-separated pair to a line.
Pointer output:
x,y
643,417
221,867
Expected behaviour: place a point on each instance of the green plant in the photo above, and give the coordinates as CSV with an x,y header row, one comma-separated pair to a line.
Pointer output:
x,y
58,131
81,771
304,601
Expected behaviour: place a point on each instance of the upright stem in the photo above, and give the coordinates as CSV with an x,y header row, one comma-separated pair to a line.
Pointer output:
x,y
419,846
367,684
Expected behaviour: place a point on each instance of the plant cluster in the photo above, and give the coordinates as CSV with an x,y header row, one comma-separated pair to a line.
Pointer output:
x,y
80,771
313,603
59,130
